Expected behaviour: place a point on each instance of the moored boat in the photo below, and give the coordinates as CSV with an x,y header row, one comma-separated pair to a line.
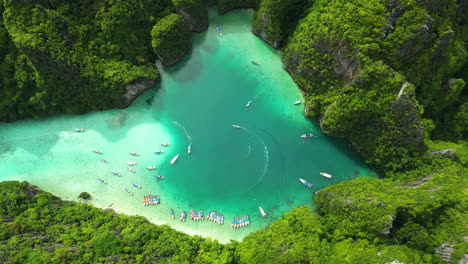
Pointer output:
x,y
261,211
105,161
151,199
128,191
306,183
248,103
116,173
134,154
131,170
159,152
255,63
174,159
309,135
189,149
183,216
159,177
97,151
326,175
136,185
236,126
218,29
131,163
79,130
297,102
156,199
165,144
196,215
240,221
151,167
172,213
102,180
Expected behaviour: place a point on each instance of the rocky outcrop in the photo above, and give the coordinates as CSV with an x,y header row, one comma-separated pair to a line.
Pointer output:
x,y
171,39
445,250
396,10
260,28
132,91
417,42
195,14
388,226
448,153
406,115
276,20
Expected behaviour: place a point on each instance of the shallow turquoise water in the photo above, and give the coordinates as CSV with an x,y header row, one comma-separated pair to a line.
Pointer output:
x,y
229,170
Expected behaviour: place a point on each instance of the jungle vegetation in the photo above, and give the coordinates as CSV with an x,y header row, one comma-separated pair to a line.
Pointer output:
x,y
388,75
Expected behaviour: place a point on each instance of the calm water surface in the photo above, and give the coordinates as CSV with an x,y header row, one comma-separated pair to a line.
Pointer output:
x,y
232,171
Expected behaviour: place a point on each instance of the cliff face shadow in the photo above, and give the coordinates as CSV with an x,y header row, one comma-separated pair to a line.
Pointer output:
x,y
345,147
176,73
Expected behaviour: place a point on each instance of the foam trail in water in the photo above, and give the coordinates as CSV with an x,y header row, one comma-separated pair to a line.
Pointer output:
x,y
266,157
185,131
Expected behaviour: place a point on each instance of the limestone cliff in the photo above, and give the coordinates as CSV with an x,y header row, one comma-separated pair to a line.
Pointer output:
x,y
225,6
171,39
195,14
275,21
132,91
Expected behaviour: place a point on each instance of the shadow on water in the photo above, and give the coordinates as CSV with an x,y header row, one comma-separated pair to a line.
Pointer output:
x,y
177,72
228,24
38,144
201,43
5,147
120,120
345,147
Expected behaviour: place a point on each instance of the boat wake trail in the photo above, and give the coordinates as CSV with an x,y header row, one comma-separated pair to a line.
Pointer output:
x,y
266,159
185,130
282,159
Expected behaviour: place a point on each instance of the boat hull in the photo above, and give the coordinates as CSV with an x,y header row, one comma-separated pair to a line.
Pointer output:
x,y
174,159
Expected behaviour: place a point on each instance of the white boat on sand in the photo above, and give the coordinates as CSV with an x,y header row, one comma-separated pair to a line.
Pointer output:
x,y
174,159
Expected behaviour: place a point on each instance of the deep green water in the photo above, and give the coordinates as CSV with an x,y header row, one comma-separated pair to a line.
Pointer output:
x,y
229,170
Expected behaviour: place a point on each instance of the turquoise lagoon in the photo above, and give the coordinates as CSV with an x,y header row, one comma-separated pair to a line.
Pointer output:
x,y
232,171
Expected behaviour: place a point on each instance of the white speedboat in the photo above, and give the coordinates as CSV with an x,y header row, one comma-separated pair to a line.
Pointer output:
x,y
174,159
189,149
307,135
151,167
306,183
261,211
297,102
326,175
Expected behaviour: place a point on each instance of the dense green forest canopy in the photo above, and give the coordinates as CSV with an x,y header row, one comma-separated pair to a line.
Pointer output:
x,y
388,75
361,221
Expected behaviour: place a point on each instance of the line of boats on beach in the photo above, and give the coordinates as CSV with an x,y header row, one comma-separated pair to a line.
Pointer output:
x,y
237,222
151,199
